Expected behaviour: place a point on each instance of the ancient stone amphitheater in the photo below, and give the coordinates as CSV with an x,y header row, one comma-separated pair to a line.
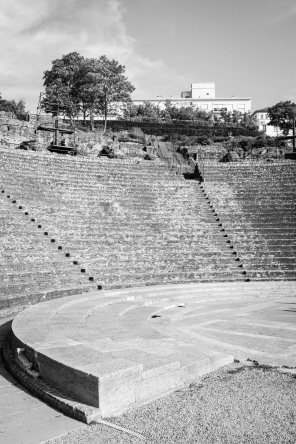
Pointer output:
x,y
126,240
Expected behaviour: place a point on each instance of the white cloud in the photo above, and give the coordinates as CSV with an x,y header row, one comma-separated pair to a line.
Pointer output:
x,y
33,33
283,15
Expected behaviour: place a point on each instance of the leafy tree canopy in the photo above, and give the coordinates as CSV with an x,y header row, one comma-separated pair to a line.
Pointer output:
x,y
62,85
171,112
77,84
282,115
12,106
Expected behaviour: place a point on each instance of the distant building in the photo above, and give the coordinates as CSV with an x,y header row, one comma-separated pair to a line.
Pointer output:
x,y
262,120
203,96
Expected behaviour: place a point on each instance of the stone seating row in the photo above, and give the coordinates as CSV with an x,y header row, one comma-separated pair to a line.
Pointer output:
x,y
148,237
241,179
28,263
256,204
52,161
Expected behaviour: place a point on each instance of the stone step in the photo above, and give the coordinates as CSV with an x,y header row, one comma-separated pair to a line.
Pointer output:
x,y
34,295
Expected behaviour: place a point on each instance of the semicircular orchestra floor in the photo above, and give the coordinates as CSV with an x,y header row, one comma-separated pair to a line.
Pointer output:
x,y
120,348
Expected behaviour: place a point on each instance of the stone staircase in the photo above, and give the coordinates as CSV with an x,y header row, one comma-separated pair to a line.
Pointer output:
x,y
256,203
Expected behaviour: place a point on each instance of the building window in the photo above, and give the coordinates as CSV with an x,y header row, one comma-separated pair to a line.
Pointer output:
x,y
219,108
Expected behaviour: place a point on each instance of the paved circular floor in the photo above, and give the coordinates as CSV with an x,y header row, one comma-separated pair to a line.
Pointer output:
x,y
116,349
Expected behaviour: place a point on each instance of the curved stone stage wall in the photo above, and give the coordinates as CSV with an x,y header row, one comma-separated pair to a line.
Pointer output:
x,y
256,202
117,349
122,222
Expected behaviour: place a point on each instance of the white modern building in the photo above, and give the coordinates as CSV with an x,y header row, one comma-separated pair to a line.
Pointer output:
x,y
203,96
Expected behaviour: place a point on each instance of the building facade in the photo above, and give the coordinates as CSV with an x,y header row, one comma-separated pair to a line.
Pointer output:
x,y
262,120
203,96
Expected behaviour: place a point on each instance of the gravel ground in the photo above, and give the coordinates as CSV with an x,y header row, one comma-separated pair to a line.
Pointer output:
x,y
240,404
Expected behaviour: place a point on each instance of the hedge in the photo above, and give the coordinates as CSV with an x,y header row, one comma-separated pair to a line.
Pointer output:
x,y
159,129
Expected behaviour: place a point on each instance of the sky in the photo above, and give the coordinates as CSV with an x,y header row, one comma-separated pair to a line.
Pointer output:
x,y
247,47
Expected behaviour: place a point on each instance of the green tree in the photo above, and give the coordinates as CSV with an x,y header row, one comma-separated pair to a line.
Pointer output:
x,y
199,116
186,113
236,117
108,87
226,117
247,121
89,89
12,106
62,85
130,111
147,110
203,117
283,115
21,107
92,86
171,111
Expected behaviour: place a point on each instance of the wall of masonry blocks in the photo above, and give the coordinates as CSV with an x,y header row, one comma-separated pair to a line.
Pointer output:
x,y
256,202
125,222
13,131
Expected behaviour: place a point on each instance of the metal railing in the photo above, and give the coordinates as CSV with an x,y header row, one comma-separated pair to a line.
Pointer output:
x,y
172,161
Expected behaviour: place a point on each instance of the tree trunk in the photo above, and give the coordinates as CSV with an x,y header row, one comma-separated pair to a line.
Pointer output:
x,y
105,117
293,133
91,121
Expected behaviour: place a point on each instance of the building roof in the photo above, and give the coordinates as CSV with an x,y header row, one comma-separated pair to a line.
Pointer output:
x,y
262,110
190,99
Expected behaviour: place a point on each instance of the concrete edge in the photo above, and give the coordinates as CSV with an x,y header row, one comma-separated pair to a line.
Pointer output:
x,y
52,396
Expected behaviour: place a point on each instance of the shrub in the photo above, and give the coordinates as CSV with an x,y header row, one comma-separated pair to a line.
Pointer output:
x,y
137,133
245,144
179,128
273,141
220,139
260,142
203,140
123,138
280,143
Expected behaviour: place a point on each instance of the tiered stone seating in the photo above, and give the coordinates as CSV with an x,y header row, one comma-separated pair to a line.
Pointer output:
x,y
256,203
127,223
30,268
